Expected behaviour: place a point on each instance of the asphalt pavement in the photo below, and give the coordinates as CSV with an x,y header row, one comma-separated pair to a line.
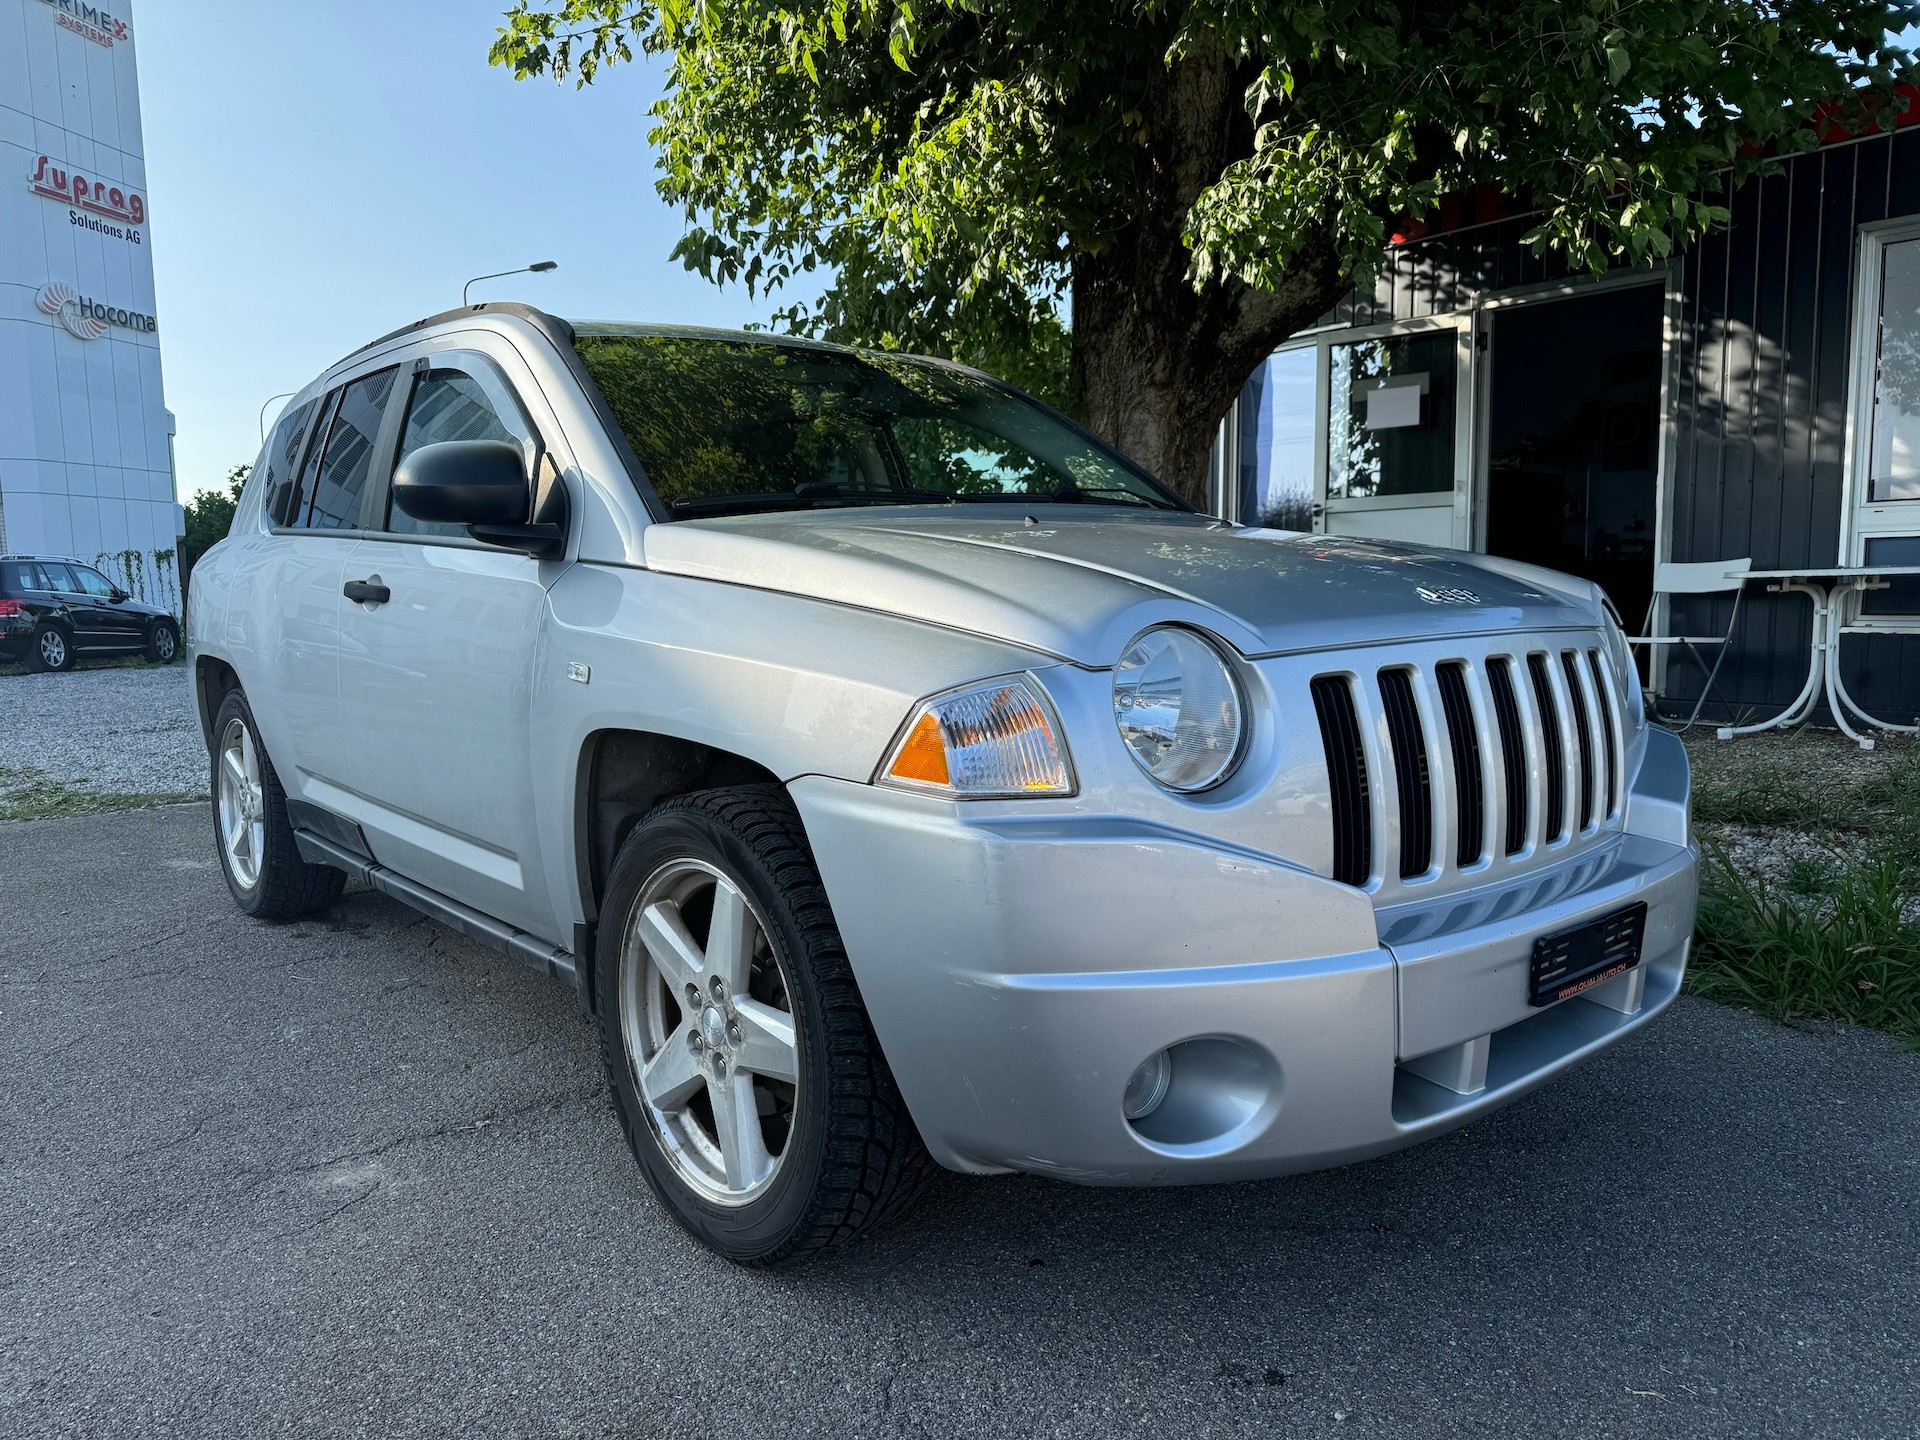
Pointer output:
x,y
359,1177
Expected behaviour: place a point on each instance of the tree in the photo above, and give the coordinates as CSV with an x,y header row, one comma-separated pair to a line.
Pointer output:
x,y
210,515
1189,180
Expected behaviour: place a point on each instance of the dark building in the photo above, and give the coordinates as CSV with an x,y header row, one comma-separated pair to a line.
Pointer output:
x,y
1758,396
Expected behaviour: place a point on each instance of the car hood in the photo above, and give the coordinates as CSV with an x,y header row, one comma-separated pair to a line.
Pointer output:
x,y
1078,583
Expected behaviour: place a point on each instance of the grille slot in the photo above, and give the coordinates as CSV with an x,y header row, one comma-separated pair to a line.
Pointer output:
x,y
1463,743
1410,772
1553,742
1513,751
1583,735
1604,699
1347,779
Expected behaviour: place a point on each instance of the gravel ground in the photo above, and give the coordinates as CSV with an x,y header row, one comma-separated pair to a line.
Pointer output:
x,y
114,730
358,1177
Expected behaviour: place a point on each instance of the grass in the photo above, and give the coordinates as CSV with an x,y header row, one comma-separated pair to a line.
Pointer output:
x,y
1834,939
28,794
1847,952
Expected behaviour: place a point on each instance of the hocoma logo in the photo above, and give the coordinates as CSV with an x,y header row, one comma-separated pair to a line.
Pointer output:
x,y
88,319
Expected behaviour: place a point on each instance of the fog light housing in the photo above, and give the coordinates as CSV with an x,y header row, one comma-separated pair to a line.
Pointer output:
x,y
1148,1087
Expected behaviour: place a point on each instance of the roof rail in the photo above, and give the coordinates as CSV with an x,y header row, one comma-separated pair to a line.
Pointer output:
x,y
555,329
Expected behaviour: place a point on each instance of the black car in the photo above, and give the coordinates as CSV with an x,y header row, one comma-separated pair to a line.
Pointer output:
x,y
54,611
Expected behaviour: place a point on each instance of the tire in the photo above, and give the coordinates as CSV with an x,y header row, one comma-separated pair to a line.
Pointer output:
x,y
848,1154
50,648
163,643
263,867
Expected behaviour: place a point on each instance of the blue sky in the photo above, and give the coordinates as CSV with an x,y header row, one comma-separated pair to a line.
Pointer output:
x,y
323,172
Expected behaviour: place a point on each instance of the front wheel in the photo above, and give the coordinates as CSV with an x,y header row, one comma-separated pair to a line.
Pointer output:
x,y
739,1055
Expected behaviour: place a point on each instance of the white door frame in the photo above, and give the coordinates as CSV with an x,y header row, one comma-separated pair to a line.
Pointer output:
x,y
1861,519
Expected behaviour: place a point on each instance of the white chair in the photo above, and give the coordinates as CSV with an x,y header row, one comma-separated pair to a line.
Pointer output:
x,y
1697,577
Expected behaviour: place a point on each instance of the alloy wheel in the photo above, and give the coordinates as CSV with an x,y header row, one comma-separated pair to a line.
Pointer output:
x,y
53,649
243,811
707,1018
163,643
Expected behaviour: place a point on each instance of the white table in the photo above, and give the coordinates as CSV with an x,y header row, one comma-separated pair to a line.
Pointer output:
x,y
1832,589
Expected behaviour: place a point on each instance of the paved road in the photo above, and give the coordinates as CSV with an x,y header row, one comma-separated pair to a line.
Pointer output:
x,y
359,1178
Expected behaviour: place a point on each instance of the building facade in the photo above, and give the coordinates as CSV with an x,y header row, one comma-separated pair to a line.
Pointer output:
x,y
1757,398
86,441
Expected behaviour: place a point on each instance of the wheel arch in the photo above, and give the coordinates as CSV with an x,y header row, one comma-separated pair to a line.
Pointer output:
x,y
213,680
620,777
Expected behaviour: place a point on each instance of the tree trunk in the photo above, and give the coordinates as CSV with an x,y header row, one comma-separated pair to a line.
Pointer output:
x,y
1157,361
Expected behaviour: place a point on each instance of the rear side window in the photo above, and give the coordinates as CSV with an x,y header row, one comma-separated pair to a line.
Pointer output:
x,y
282,454
347,457
57,577
14,577
453,405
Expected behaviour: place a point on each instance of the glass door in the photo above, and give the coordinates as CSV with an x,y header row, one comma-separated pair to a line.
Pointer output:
x,y
1363,435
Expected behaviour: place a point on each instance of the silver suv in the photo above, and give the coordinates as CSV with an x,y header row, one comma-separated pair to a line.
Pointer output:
x,y
899,773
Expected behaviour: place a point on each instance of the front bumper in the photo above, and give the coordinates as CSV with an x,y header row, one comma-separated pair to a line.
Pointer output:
x,y
1019,966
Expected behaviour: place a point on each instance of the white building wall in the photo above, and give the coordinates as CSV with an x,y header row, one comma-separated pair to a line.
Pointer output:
x,y
86,467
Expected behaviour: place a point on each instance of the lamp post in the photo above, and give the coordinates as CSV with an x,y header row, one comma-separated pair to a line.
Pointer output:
x,y
539,267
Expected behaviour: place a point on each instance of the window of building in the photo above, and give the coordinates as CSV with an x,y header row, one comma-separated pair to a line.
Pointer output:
x,y
1390,416
1884,478
1278,411
347,457
454,405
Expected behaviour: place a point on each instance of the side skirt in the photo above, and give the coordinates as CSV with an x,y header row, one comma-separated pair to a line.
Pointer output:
x,y
542,955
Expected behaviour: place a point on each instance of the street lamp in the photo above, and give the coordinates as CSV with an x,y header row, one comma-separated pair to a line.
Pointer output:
x,y
539,267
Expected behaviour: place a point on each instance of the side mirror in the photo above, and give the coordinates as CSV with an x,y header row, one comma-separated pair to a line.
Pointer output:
x,y
464,482
120,597
483,484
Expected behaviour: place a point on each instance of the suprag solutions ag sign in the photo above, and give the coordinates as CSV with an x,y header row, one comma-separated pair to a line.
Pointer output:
x,y
87,318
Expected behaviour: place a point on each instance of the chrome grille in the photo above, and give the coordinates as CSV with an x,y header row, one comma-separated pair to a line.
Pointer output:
x,y
1468,765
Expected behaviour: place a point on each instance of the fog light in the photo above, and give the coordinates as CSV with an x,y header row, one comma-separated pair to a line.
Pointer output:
x,y
1148,1087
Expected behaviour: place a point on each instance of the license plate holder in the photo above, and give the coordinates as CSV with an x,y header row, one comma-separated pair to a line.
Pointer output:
x,y
1573,960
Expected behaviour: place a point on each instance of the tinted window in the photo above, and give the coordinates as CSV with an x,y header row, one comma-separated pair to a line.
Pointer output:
x,y
92,582
283,446
58,577
453,405
347,457
726,426
18,575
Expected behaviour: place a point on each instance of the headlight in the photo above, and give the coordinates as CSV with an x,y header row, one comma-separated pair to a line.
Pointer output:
x,y
996,739
1626,672
1179,709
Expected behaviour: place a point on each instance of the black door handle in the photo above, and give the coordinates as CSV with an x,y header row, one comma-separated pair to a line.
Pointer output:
x,y
368,591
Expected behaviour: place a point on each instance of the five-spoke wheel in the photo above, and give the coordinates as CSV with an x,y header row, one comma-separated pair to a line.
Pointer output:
x,y
708,1022
747,1077
243,827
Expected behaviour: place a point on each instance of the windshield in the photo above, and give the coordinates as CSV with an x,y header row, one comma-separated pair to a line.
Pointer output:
x,y
732,426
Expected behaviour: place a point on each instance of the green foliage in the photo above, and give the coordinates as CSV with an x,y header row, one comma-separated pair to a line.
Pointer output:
x,y
29,794
1851,954
952,169
210,515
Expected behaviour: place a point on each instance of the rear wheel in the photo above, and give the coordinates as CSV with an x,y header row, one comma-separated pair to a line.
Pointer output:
x,y
740,1058
258,855
163,643
51,648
